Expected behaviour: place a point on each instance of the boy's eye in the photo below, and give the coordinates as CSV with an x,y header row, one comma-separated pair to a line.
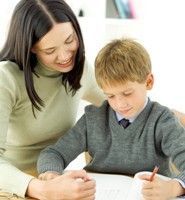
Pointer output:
x,y
127,94
110,97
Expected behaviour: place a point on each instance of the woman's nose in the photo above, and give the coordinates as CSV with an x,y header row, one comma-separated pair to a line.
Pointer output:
x,y
63,55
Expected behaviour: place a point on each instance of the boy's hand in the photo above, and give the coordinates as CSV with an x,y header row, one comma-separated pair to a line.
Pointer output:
x,y
160,189
48,175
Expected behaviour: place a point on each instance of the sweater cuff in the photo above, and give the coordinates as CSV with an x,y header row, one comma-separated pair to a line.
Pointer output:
x,y
23,185
181,177
50,168
182,184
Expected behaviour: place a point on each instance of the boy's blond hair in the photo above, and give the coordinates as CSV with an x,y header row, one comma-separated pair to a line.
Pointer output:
x,y
120,61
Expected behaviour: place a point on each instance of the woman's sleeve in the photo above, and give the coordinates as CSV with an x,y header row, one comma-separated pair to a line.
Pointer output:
x,y
172,135
180,116
91,92
11,179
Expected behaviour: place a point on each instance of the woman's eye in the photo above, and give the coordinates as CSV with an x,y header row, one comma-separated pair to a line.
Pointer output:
x,y
69,41
49,52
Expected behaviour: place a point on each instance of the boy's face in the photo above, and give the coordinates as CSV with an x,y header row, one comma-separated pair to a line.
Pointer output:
x,y
128,99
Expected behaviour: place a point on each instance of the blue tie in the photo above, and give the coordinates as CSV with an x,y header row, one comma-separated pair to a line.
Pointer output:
x,y
124,122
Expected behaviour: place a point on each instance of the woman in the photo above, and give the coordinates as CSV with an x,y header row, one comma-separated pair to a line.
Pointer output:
x,y
42,80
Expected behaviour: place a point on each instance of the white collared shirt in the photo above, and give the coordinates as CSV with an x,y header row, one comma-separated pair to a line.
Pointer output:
x,y
120,117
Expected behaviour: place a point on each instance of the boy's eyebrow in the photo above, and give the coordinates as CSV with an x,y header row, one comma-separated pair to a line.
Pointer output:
x,y
127,90
107,93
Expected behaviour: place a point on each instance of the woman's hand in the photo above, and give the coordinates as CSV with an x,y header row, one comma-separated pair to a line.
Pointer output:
x,y
73,185
180,116
160,189
48,175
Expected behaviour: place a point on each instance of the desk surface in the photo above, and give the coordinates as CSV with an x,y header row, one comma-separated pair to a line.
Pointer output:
x,y
108,186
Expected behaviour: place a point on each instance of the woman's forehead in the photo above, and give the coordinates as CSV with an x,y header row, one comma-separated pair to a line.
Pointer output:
x,y
59,33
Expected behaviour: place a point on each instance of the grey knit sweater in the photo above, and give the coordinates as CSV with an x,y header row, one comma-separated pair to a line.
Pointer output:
x,y
152,139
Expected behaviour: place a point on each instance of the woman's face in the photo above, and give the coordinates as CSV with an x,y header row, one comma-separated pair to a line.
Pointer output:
x,y
57,49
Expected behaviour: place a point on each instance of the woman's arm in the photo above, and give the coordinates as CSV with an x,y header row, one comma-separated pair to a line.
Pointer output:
x,y
91,92
73,185
180,116
12,179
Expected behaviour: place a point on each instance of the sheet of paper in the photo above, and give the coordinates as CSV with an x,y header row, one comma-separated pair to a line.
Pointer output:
x,y
119,187
112,187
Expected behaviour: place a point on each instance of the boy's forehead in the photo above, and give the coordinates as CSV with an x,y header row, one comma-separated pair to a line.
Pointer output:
x,y
123,87
119,87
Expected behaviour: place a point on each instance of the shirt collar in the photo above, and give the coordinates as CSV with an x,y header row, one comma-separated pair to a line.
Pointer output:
x,y
120,117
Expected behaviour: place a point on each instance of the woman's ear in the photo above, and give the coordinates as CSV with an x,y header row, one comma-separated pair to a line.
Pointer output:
x,y
33,50
149,81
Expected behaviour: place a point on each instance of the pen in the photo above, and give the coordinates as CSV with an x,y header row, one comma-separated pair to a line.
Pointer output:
x,y
153,173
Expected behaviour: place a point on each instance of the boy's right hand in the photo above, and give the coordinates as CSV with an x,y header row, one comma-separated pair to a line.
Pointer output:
x,y
160,189
48,175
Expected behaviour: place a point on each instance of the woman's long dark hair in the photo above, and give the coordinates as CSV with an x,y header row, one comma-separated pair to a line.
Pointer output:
x,y
31,20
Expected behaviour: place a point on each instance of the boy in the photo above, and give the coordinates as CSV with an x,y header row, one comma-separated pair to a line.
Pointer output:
x,y
128,133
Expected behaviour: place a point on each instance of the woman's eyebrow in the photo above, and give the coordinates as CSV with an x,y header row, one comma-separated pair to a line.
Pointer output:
x,y
69,36
51,48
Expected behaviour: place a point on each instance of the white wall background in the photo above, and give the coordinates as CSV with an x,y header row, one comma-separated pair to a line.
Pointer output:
x,y
159,27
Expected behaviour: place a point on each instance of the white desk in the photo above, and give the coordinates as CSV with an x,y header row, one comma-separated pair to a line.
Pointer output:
x,y
108,187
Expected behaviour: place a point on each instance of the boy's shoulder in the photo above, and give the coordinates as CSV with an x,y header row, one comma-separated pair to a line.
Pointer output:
x,y
159,112
92,109
158,108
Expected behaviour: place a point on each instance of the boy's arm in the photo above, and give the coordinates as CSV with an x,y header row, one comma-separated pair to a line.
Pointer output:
x,y
56,157
173,146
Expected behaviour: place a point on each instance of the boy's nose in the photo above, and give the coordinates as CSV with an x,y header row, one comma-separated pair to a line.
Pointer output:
x,y
121,103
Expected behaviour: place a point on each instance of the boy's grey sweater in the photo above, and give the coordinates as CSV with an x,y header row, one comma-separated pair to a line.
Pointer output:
x,y
152,139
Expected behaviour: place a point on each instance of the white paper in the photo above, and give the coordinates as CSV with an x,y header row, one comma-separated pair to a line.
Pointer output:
x,y
112,187
119,187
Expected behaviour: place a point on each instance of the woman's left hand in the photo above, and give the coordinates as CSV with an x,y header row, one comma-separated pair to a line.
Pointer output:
x,y
48,175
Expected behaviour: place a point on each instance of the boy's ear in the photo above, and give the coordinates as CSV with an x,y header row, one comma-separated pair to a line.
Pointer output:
x,y
149,81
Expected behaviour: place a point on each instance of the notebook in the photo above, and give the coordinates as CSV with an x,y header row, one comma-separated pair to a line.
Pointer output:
x,y
119,187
